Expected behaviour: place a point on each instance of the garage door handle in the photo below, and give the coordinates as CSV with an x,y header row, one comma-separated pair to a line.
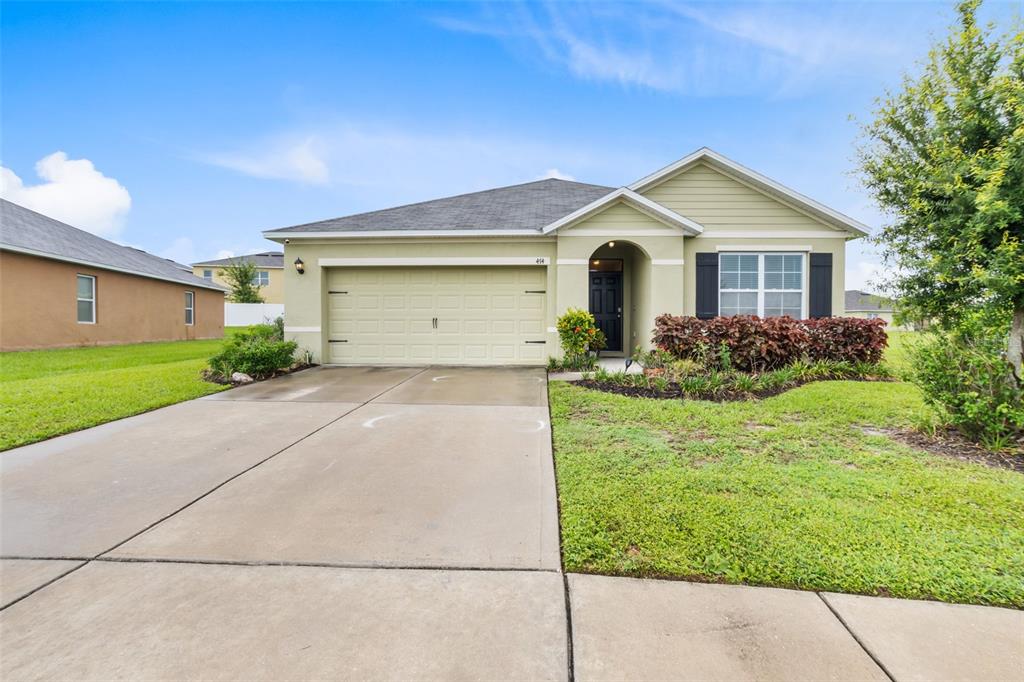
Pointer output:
x,y
536,342
535,291
337,341
337,292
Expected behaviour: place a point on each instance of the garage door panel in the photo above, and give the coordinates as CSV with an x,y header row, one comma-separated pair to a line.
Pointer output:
x,y
483,315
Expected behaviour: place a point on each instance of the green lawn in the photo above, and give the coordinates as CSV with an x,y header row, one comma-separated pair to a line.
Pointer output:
x,y
897,353
788,491
49,392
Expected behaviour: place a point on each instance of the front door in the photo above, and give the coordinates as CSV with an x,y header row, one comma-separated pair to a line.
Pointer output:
x,y
606,306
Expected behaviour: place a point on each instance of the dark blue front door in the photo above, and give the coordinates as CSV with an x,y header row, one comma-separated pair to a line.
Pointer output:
x,y
606,306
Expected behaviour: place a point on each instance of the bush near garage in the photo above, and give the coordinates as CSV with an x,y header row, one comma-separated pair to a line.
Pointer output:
x,y
259,351
578,335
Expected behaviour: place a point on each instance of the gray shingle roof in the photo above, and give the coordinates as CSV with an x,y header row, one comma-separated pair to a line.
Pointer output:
x,y
27,231
529,206
267,259
859,301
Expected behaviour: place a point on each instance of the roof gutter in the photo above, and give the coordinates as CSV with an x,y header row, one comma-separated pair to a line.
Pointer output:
x,y
280,236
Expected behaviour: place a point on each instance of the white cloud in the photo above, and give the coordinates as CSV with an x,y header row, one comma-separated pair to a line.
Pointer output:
x,y
389,165
73,192
554,173
182,250
683,48
868,275
287,158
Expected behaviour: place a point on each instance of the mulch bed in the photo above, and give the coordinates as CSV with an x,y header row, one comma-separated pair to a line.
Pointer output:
x,y
215,378
950,443
673,392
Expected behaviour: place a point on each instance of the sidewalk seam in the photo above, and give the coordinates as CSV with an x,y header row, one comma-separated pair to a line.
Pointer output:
x,y
857,639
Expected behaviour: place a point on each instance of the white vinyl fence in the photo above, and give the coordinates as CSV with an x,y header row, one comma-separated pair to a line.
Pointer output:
x,y
242,314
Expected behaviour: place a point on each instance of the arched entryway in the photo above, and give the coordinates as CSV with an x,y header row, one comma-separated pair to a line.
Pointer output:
x,y
619,277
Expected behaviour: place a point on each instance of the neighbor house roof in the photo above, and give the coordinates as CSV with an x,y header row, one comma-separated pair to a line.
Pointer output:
x,y
518,209
861,301
546,205
267,259
31,233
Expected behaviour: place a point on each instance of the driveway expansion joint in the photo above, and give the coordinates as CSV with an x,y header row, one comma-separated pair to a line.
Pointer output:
x,y
857,639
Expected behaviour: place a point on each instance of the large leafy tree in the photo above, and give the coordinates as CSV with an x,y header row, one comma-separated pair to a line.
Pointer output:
x,y
241,277
944,157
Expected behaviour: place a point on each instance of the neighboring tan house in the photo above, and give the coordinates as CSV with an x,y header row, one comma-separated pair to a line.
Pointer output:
x,y
480,279
872,307
61,286
268,274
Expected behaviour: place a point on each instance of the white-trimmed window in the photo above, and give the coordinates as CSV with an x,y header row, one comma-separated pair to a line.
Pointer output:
x,y
762,284
86,295
190,311
261,278
208,275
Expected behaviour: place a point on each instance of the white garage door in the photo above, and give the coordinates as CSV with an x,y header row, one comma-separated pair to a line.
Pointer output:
x,y
446,315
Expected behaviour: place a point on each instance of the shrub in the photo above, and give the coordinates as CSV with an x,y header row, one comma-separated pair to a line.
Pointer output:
x,y
578,335
969,379
258,351
749,343
852,339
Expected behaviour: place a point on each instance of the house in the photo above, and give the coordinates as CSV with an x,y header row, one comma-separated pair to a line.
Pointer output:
x,y
61,286
268,277
872,307
480,278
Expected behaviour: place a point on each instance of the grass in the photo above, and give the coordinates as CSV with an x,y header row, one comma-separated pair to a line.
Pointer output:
x,y
47,393
897,353
802,490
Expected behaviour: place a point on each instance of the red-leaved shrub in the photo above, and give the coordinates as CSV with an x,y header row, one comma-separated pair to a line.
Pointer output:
x,y
756,344
853,339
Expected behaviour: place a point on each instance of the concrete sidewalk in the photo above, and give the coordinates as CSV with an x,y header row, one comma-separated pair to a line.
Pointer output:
x,y
391,523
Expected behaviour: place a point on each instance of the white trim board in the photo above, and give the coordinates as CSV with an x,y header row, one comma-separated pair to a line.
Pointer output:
x,y
111,268
278,236
572,261
667,261
303,330
432,261
764,247
763,234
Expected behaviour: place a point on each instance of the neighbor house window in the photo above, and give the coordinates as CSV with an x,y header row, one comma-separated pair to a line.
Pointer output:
x,y
190,312
86,299
763,284
261,278
208,275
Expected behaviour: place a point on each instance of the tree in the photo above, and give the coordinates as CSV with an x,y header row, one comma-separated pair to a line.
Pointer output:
x,y
944,157
241,277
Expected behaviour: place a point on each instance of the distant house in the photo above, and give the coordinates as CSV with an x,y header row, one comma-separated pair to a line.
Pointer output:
x,y
61,286
269,264
872,307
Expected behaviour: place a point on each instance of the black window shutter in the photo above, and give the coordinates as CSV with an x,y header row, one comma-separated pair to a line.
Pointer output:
x,y
707,285
820,295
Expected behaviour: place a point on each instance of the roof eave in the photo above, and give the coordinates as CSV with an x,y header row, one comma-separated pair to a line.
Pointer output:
x,y
640,203
112,268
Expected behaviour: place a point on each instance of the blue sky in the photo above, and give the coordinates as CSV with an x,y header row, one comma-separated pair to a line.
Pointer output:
x,y
187,128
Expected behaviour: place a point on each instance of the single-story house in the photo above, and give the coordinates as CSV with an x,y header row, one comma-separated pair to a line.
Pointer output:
x,y
872,307
61,286
480,278
269,273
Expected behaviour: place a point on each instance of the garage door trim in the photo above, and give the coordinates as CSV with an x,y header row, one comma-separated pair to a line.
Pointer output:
x,y
433,261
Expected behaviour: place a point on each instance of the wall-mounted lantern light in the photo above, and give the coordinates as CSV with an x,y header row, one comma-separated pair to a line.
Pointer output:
x,y
300,267
611,245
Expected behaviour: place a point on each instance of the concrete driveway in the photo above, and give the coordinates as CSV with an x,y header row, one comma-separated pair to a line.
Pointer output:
x,y
319,524
390,523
